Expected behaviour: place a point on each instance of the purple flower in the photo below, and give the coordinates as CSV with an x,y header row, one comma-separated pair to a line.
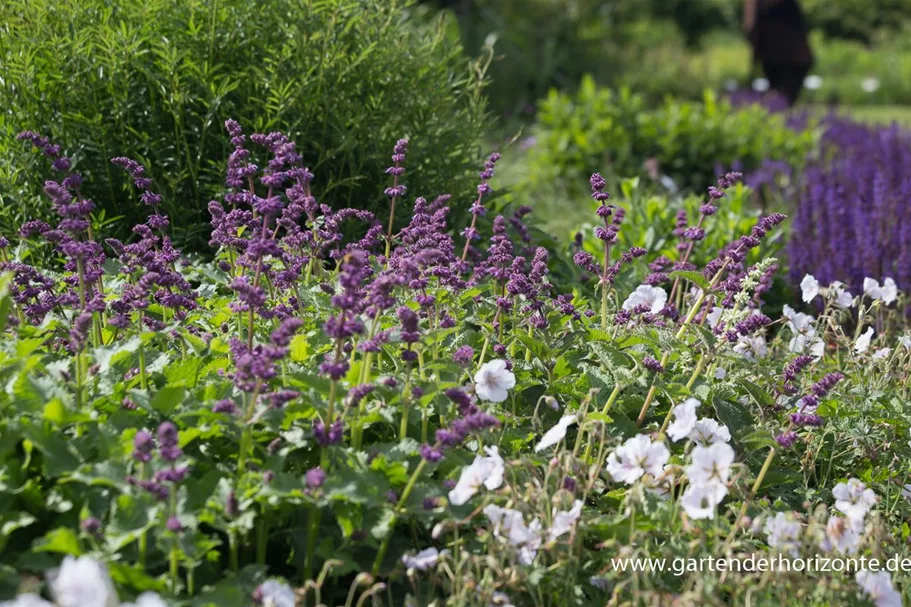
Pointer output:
x,y
463,356
786,439
225,406
168,441
652,365
328,436
143,444
91,526
431,454
315,477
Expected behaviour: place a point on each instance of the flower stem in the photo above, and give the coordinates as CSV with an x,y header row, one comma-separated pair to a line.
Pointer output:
x,y
753,491
381,554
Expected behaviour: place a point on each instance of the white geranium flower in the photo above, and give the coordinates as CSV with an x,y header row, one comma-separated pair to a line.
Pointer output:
x,y
147,599
783,532
273,593
872,289
684,419
646,295
493,381
853,499
905,341
636,457
487,471
842,535
809,287
863,342
707,432
869,85
877,586
751,348
510,525
699,501
555,434
27,600
714,316
83,582
761,85
720,373
710,464
807,342
889,291
500,599
423,560
564,521
798,322
664,482
842,297
881,353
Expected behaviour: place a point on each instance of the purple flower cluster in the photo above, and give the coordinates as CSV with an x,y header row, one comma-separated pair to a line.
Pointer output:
x,y
35,294
853,218
471,419
806,409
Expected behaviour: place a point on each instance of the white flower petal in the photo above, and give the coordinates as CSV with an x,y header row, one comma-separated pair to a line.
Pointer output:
x,y
809,287
564,521
889,291
863,342
423,560
486,471
636,457
646,295
83,582
493,381
555,434
872,288
684,419
27,600
877,586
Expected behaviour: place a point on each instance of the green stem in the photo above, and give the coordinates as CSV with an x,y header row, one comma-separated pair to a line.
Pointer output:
x,y
143,379
233,559
700,365
610,399
686,323
743,508
262,537
315,516
381,554
175,549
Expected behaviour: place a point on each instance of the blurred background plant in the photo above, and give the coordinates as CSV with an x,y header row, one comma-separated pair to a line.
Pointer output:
x,y
158,78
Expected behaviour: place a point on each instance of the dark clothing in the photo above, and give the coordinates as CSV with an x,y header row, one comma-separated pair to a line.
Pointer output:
x,y
779,40
785,78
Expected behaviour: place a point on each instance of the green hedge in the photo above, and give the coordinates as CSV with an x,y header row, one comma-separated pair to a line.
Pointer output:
x,y
157,78
598,129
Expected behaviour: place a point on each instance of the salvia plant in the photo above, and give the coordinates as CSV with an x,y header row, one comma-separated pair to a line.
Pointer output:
x,y
852,217
336,411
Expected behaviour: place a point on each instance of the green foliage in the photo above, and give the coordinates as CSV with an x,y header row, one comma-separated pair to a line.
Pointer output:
x,y
863,20
235,377
598,129
535,45
157,79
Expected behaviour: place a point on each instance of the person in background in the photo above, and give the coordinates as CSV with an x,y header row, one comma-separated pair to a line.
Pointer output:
x,y
778,34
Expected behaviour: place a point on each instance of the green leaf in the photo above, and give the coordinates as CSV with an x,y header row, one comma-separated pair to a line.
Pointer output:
x,y
694,277
167,399
733,415
300,348
62,540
